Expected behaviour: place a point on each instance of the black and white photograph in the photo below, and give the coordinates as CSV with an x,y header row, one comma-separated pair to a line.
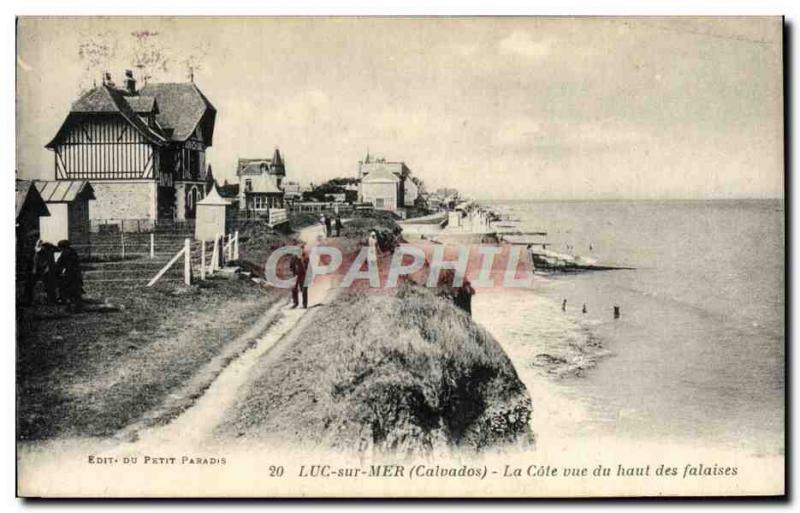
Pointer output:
x,y
400,257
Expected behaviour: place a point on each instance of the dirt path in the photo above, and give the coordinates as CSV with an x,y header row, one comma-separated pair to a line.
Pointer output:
x,y
193,427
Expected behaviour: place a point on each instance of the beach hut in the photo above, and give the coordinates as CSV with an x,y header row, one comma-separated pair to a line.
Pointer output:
x,y
210,221
30,209
68,203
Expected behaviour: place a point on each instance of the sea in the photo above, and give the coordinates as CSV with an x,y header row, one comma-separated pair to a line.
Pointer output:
x,y
696,357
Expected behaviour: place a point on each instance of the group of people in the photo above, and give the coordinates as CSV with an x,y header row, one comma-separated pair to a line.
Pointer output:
x,y
332,225
59,270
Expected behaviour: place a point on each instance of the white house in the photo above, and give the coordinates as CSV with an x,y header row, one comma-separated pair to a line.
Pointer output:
x,y
381,188
260,184
387,185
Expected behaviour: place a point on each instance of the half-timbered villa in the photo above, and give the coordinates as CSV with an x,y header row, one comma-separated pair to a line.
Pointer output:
x,y
143,150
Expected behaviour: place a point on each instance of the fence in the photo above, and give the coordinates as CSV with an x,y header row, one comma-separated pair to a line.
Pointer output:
x,y
320,207
277,216
127,246
194,258
106,226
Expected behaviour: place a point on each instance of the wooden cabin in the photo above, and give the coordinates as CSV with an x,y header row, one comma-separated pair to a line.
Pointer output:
x,y
143,150
30,209
68,203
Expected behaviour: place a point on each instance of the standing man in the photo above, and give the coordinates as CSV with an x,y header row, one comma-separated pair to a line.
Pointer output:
x,y
327,226
299,268
464,295
338,224
68,269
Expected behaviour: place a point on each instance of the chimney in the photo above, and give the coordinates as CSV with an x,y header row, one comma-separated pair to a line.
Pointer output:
x,y
130,82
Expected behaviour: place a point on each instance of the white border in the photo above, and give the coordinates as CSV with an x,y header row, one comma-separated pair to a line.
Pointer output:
x,y
791,9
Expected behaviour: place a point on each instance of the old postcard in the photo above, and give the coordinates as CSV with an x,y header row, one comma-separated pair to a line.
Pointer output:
x,y
400,257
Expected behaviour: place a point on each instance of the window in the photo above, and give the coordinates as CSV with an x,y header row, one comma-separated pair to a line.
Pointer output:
x,y
248,185
379,202
192,164
259,203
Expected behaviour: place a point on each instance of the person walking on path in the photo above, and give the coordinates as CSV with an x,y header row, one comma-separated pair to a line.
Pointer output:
x,y
299,268
68,269
338,224
41,266
327,226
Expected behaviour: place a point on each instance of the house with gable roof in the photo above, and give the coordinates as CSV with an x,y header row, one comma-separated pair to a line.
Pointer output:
x,y
261,183
386,185
142,150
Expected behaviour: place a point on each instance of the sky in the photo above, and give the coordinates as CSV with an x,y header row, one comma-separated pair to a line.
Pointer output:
x,y
499,108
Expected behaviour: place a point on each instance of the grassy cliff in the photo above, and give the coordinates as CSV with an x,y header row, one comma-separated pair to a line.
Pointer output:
x,y
400,371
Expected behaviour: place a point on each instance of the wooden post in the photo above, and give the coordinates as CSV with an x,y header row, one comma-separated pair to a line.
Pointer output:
x,y
187,261
122,241
230,247
236,247
202,260
152,245
214,257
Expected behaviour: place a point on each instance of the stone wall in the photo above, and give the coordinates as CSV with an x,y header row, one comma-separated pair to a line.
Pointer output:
x,y
123,200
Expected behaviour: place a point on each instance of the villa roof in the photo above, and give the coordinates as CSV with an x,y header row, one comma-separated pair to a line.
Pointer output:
x,y
179,108
142,104
253,166
182,108
397,168
257,166
109,100
381,175
265,185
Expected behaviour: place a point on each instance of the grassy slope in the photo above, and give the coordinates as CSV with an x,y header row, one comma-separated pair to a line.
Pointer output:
x,y
91,374
402,372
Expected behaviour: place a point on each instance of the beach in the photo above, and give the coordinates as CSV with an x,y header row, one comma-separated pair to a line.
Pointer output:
x,y
696,359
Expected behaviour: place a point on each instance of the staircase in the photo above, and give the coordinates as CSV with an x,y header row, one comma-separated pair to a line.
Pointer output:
x,y
125,259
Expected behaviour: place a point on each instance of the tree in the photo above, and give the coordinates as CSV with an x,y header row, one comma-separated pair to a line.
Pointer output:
x,y
419,183
332,186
